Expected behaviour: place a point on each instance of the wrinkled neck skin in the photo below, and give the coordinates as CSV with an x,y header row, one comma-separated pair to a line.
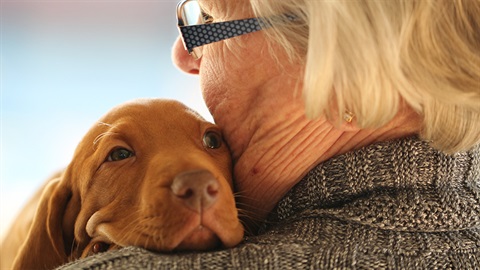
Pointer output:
x,y
274,145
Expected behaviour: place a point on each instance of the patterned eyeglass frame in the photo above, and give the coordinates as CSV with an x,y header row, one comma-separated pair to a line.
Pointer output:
x,y
194,36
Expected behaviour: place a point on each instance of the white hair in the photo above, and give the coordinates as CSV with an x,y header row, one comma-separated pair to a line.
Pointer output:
x,y
368,56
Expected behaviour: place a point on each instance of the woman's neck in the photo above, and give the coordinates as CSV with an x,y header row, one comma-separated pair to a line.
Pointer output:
x,y
282,146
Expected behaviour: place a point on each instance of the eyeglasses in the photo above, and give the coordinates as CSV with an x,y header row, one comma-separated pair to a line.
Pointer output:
x,y
197,29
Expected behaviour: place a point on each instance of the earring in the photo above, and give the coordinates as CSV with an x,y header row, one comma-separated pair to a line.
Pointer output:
x,y
348,116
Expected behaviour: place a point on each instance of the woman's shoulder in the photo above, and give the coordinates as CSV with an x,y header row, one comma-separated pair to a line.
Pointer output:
x,y
320,242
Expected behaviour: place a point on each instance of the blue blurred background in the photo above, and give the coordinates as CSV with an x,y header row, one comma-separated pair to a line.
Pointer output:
x,y
64,64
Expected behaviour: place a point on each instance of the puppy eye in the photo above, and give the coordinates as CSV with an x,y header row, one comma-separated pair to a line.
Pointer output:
x,y
119,153
212,140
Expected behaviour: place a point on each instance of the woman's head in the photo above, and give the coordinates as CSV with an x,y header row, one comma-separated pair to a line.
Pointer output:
x,y
369,57
240,73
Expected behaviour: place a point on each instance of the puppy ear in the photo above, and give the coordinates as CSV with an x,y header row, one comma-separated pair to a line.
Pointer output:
x,y
45,246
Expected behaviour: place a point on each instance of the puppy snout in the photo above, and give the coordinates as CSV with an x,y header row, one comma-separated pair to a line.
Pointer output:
x,y
198,190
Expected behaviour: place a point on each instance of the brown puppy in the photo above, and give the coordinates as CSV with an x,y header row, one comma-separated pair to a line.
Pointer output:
x,y
152,173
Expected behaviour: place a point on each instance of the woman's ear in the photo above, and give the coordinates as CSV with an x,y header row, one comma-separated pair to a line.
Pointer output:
x,y
45,246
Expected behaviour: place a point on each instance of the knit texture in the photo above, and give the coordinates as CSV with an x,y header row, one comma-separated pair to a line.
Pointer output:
x,y
392,205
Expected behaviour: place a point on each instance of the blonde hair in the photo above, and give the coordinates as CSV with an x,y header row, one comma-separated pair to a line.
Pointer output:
x,y
368,56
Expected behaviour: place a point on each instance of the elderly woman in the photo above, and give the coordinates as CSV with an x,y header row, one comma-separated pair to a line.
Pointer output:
x,y
354,128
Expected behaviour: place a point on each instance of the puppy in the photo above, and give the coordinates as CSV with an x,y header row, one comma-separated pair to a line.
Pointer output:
x,y
151,173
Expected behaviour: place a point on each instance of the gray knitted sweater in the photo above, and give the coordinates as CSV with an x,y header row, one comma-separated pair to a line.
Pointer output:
x,y
391,205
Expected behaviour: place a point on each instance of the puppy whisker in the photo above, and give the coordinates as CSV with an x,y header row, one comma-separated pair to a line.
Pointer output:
x,y
127,230
74,249
100,123
101,136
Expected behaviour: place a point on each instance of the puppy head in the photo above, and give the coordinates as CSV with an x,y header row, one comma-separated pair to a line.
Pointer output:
x,y
134,158
133,181
139,151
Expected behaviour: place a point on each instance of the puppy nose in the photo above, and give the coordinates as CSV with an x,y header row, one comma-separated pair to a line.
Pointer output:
x,y
198,190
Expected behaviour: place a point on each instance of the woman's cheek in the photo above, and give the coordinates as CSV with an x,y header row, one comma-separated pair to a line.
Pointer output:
x,y
212,82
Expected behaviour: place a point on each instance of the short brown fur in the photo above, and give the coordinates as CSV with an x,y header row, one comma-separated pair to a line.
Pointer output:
x,y
130,202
